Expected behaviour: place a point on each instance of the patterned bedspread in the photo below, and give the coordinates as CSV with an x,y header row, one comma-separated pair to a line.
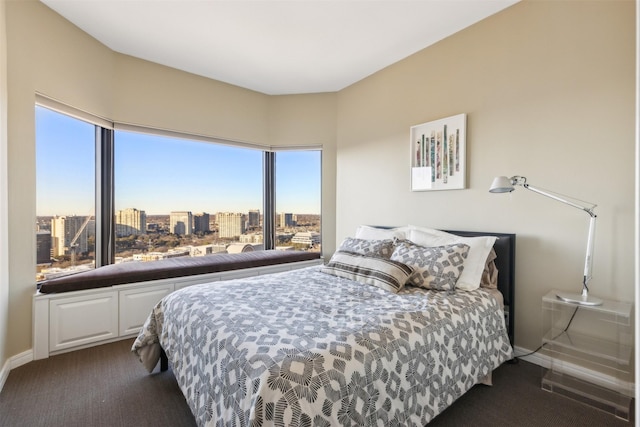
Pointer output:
x,y
304,348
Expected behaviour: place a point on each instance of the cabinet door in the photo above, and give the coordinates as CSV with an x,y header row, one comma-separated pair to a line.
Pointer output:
x,y
136,304
82,320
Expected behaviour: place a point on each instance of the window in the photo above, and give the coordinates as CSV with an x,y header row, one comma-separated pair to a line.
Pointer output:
x,y
298,199
65,194
134,194
178,197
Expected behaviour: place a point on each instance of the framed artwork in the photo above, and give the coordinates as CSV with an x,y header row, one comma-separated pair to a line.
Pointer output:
x,y
438,154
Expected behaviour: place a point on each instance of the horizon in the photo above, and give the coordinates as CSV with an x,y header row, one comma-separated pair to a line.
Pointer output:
x,y
169,214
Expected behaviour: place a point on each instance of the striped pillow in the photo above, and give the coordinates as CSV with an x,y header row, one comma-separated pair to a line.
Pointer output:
x,y
380,272
379,248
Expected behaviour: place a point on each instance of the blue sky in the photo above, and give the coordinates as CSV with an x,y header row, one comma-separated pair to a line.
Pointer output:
x,y
160,175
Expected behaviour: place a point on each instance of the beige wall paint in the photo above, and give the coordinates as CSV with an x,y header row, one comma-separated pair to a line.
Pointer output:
x,y
549,92
4,203
47,54
156,96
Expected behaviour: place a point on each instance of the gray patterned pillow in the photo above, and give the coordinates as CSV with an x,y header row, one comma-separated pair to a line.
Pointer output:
x,y
380,272
436,267
379,248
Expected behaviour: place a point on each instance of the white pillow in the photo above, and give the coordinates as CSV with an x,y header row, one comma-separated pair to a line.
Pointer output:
x,y
373,233
427,230
479,249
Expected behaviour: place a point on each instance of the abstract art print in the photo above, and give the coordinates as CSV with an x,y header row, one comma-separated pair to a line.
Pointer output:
x,y
438,154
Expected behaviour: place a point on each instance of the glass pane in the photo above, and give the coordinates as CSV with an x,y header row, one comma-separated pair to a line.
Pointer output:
x,y
177,197
65,194
298,199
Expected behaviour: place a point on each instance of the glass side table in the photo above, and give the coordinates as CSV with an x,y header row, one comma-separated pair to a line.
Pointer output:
x,y
590,350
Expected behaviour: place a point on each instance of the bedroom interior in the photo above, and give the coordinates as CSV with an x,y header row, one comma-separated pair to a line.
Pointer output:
x,y
548,88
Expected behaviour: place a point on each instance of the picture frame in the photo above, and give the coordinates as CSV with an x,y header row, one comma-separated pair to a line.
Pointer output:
x,y
438,154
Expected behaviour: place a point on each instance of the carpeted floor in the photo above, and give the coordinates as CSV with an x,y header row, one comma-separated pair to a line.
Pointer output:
x,y
107,386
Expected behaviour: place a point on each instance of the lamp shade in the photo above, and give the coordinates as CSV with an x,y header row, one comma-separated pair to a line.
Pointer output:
x,y
501,184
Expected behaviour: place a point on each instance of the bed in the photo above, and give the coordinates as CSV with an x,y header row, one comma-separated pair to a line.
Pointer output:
x,y
315,348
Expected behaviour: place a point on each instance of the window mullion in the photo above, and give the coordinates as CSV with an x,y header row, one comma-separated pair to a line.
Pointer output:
x,y
105,236
269,196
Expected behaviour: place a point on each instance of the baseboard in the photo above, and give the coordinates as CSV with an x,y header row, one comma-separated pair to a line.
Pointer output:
x,y
21,359
4,374
535,358
607,381
14,362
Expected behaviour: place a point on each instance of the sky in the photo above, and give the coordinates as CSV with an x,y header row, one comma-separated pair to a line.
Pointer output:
x,y
161,174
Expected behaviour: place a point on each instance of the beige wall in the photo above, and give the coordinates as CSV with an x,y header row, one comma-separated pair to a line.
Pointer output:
x,y
549,92
47,54
153,95
4,223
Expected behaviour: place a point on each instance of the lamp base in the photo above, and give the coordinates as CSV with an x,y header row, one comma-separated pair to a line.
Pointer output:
x,y
578,299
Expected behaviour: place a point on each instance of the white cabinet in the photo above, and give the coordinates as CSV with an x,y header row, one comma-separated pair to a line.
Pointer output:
x,y
136,304
72,320
589,349
81,320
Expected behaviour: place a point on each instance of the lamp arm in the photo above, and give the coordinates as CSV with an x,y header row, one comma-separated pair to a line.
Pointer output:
x,y
588,260
587,209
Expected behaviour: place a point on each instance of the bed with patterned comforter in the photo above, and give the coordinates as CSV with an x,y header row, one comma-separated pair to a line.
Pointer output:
x,y
304,348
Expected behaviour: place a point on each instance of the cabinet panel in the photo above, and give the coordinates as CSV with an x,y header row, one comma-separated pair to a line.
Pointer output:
x,y
136,304
82,320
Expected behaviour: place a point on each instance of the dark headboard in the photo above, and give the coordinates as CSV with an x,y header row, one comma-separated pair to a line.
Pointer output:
x,y
505,247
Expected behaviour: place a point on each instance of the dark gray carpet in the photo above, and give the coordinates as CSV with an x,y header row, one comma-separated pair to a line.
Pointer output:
x,y
98,386
107,386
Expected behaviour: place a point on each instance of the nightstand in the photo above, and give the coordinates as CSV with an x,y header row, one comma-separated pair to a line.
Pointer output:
x,y
589,350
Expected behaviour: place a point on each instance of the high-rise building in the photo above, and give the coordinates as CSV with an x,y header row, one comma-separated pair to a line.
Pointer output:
x,y
254,218
286,220
43,247
181,222
64,229
201,223
130,221
230,224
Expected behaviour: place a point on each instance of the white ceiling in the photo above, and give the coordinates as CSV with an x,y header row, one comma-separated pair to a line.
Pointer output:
x,y
275,46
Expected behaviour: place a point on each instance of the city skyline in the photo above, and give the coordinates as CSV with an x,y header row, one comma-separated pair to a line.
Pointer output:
x,y
183,210
161,174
